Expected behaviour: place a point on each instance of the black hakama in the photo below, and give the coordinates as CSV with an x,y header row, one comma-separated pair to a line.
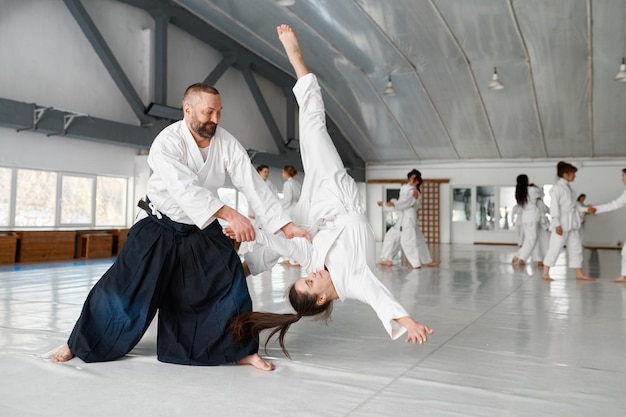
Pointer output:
x,y
193,277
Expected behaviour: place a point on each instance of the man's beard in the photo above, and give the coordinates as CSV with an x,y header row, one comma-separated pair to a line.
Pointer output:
x,y
206,130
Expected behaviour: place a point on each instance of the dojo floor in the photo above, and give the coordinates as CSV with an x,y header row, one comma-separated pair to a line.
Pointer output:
x,y
506,344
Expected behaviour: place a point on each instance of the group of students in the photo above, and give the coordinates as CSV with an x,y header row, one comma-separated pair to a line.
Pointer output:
x,y
179,261
291,194
543,238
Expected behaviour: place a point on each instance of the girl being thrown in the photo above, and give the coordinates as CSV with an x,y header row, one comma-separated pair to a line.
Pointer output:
x,y
342,255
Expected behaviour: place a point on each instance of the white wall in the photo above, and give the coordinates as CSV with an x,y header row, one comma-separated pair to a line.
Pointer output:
x,y
599,179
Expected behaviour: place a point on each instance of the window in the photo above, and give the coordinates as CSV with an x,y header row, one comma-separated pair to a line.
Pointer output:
x,y
111,201
76,200
6,177
35,198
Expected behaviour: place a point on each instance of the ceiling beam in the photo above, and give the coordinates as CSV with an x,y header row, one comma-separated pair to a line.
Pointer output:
x,y
98,43
52,121
242,59
265,110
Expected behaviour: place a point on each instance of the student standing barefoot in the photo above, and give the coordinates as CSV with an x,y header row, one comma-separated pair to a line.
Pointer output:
x,y
566,221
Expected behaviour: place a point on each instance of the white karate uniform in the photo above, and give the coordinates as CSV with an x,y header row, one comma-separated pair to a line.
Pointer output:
x,y
256,220
391,241
184,187
530,223
291,193
330,207
618,203
543,237
565,212
412,240
516,215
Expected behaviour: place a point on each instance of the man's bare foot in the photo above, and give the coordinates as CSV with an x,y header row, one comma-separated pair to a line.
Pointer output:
x,y
62,354
619,279
257,361
433,264
584,277
292,48
385,263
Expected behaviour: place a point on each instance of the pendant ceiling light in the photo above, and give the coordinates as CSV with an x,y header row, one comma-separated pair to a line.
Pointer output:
x,y
389,91
495,83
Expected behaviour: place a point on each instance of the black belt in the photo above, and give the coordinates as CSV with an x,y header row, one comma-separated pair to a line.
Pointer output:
x,y
179,228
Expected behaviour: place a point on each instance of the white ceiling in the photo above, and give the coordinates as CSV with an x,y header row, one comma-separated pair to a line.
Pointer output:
x,y
557,60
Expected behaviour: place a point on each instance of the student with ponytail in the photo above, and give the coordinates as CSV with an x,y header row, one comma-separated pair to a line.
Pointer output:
x,y
341,256
526,196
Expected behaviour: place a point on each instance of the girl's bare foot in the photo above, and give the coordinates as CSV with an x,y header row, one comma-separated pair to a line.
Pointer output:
x,y
62,354
580,275
619,279
539,264
546,278
385,263
292,48
583,277
433,264
257,361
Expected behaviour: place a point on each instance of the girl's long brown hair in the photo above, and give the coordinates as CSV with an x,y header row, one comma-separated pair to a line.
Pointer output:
x,y
247,326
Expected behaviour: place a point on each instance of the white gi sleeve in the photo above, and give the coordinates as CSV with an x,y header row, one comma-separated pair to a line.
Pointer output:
x,y
618,203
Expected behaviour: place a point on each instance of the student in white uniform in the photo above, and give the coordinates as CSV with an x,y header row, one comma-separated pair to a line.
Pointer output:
x,y
176,258
581,202
291,188
342,255
566,220
526,197
391,241
264,172
543,238
412,239
618,203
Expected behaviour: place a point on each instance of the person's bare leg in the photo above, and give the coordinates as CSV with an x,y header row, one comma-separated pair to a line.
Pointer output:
x,y
62,354
620,279
580,275
433,264
292,48
257,361
546,274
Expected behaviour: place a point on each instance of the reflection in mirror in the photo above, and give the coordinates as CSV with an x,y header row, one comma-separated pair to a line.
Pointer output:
x,y
485,207
507,202
461,204
391,217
